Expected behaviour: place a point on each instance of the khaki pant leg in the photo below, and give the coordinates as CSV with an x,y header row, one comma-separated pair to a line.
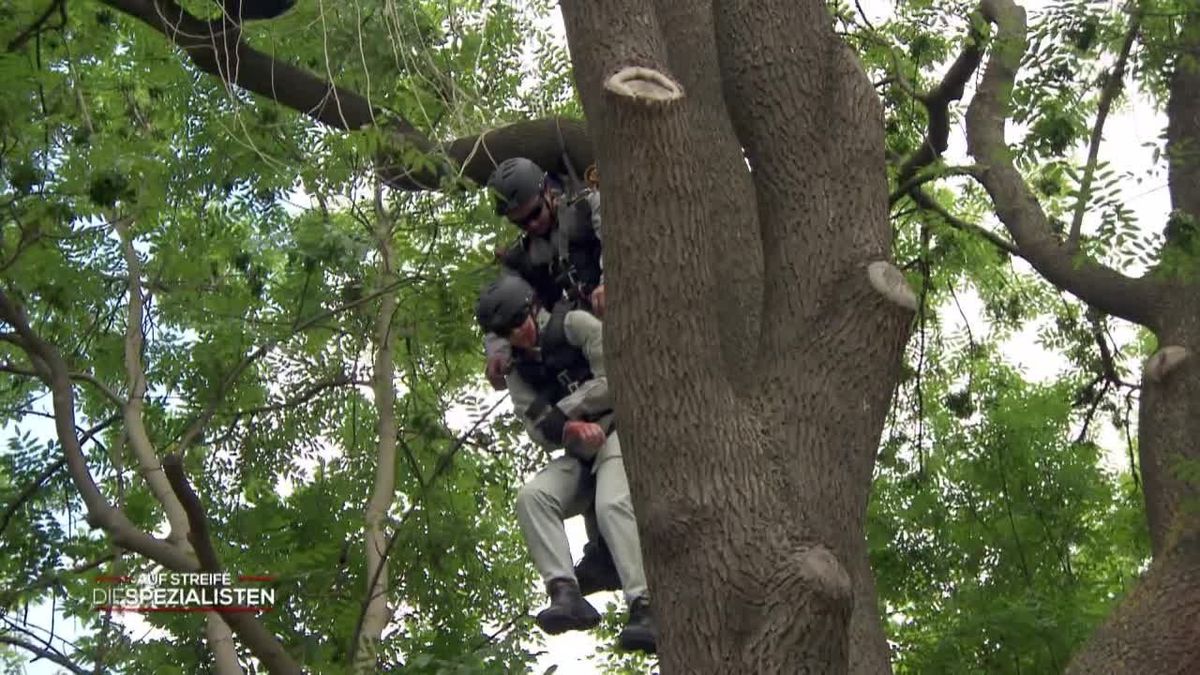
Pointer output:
x,y
559,491
614,515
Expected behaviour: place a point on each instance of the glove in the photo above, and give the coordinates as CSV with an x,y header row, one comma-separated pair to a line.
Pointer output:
x,y
597,300
498,366
587,434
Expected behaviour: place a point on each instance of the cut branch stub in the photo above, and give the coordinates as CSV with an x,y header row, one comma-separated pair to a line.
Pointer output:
x,y
644,85
1164,361
891,284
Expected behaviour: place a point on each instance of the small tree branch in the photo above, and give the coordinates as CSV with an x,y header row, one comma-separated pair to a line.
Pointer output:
x,y
135,426
39,24
196,427
55,578
47,653
1105,289
1111,87
31,489
925,201
83,377
308,393
937,103
922,177
265,646
443,464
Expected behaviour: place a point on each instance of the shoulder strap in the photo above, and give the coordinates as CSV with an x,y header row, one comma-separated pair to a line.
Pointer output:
x,y
555,333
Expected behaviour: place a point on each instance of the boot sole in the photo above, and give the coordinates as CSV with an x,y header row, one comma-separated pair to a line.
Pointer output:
x,y
637,644
557,624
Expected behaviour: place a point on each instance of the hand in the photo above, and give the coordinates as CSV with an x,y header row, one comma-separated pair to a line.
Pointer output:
x,y
598,301
498,366
590,434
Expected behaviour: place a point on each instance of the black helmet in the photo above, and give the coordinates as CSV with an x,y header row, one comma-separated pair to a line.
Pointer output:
x,y
504,304
514,182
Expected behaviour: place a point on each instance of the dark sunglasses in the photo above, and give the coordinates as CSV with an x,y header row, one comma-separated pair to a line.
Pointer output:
x,y
532,215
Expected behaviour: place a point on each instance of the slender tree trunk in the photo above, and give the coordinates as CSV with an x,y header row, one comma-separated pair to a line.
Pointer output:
x,y
220,641
217,633
753,394
377,612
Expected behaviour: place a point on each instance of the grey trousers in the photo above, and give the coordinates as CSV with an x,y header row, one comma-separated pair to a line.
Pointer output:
x,y
564,488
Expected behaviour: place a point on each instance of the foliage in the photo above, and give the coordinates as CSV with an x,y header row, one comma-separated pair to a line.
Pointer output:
x,y
1001,529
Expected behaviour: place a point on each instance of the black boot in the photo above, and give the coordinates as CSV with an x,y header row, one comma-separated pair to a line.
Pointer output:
x,y
640,633
596,571
568,610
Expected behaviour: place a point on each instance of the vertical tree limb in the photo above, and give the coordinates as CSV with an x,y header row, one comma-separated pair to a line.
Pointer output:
x,y
1112,86
383,383
135,426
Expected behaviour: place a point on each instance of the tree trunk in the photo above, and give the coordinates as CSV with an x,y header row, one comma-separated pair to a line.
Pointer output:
x,y
377,612
753,392
1156,629
220,641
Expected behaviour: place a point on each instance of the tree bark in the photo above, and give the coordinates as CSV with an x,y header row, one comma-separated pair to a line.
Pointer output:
x,y
749,436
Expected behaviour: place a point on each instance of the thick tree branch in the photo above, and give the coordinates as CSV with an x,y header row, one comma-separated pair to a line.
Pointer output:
x,y
265,646
47,653
99,512
1111,87
1183,122
135,426
218,49
1017,207
383,375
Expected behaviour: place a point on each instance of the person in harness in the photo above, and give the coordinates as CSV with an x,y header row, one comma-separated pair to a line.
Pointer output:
x,y
559,254
560,389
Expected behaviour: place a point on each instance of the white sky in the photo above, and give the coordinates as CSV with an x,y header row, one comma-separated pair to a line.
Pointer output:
x,y
1127,135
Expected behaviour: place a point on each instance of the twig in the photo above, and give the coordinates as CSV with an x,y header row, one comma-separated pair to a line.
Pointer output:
x,y
48,653
928,203
47,473
1111,87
